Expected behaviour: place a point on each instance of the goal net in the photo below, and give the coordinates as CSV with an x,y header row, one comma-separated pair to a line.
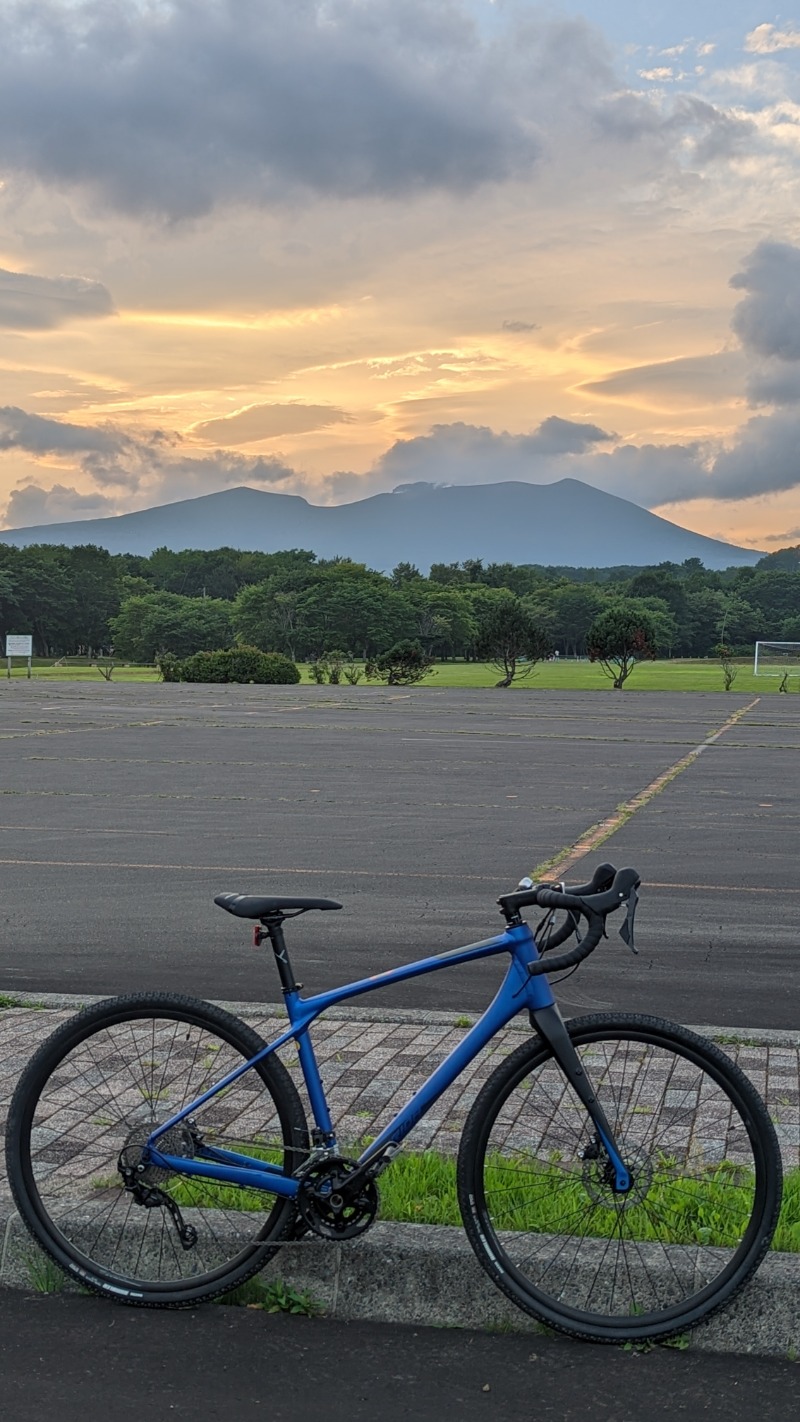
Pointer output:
x,y
777,659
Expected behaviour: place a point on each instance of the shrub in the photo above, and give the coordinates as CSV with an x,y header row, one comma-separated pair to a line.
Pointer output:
x,y
353,673
403,665
243,665
168,666
328,666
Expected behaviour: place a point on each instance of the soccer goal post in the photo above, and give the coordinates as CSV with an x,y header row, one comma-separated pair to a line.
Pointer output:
x,y
777,659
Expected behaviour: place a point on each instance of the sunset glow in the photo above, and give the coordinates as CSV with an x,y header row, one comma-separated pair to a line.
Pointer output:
x,y
327,249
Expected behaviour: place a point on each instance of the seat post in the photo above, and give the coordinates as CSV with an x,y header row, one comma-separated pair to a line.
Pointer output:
x,y
273,923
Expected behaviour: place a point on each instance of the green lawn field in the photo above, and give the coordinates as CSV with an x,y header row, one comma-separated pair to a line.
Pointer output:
x,y
675,675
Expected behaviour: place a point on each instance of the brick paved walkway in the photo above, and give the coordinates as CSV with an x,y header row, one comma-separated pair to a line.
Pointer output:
x,y
370,1069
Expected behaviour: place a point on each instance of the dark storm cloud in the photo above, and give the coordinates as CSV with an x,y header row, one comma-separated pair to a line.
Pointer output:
x,y
767,319
38,435
714,133
557,436
776,382
32,505
172,109
36,303
142,468
474,454
763,459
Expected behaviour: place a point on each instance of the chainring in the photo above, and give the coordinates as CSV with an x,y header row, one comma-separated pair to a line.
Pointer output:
x,y
326,1206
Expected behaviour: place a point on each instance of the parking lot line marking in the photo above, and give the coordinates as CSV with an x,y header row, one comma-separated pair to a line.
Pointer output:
x,y
240,869
725,888
597,834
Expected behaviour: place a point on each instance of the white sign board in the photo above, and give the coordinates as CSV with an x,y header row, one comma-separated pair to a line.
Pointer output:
x,y
19,646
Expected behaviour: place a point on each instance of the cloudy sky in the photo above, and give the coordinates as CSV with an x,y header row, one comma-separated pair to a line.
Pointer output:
x,y
331,246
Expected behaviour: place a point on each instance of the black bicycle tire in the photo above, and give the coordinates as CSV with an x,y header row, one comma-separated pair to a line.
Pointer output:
x,y
479,1228
29,1088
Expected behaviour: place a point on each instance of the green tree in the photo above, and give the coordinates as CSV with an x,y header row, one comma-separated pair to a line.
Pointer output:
x,y
619,638
404,664
96,593
662,583
352,608
741,624
783,558
167,622
448,575
705,608
8,600
445,622
574,608
664,624
266,614
508,637
45,598
405,573
790,629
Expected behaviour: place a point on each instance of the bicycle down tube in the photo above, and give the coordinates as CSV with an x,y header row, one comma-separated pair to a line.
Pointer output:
x,y
518,992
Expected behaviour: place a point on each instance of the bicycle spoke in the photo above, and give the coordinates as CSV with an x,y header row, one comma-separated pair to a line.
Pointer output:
x,y
104,1097
571,1245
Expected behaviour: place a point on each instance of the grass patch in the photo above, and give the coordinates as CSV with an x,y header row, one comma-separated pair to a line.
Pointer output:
x,y
677,674
273,1296
542,1198
44,1274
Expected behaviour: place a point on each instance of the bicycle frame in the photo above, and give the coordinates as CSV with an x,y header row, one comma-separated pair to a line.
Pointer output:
x,y
517,993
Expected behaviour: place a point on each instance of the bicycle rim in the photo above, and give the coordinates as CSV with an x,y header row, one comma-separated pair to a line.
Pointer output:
x,y
98,1088
537,1196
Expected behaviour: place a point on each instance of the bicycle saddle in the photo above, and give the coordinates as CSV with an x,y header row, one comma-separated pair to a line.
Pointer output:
x,y
250,906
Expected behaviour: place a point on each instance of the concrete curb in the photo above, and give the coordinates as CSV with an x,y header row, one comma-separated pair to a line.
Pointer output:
x,y
748,1036
428,1275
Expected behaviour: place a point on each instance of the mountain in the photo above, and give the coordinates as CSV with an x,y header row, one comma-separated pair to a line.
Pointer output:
x,y
567,524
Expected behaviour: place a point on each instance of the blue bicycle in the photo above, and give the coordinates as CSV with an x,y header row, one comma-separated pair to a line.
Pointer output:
x,y
618,1176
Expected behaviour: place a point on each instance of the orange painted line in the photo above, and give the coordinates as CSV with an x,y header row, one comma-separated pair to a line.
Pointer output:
x,y
724,888
599,833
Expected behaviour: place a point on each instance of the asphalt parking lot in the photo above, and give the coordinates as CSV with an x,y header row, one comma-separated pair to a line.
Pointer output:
x,y
83,1359
126,808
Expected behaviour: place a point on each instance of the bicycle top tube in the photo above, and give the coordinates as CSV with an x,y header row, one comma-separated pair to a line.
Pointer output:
x,y
517,993
517,940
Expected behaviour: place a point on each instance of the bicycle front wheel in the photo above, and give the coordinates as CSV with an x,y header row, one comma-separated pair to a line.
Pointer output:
x,y
89,1099
536,1189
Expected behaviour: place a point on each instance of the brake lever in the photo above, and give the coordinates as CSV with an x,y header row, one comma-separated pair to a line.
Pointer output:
x,y
626,931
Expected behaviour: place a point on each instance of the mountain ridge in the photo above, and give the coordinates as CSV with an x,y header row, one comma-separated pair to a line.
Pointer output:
x,y
566,523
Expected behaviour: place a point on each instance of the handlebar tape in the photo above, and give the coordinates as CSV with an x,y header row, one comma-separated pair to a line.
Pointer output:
x,y
609,889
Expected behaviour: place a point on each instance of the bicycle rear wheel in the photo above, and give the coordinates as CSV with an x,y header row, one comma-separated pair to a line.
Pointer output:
x,y
537,1196
97,1088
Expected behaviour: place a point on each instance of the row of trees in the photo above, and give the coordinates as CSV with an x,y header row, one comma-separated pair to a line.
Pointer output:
x,y
81,600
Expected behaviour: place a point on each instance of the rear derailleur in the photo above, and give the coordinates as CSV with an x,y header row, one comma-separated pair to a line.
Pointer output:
x,y
134,1172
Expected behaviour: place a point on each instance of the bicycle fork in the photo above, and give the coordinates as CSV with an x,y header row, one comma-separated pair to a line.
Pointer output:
x,y
550,1025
